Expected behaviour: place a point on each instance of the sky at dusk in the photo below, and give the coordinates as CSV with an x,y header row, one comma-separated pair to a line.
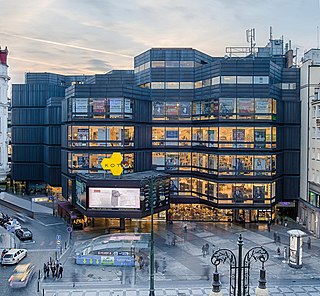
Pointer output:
x,y
95,36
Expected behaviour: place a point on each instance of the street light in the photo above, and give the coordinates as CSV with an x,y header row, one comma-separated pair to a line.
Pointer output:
x,y
239,270
150,186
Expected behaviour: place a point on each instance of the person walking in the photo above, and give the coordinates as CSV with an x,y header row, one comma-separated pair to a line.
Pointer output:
x,y
48,269
207,249
203,251
53,270
278,252
60,271
156,266
275,236
164,265
278,239
309,243
269,225
45,267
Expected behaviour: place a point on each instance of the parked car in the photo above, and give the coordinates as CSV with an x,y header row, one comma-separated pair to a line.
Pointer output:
x,y
14,256
12,225
24,234
22,275
4,251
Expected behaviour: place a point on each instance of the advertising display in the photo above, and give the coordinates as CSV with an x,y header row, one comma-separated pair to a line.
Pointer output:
x,y
81,196
81,105
127,106
172,109
238,136
185,108
114,198
115,105
262,106
226,106
98,106
158,108
258,193
105,260
83,134
260,138
245,106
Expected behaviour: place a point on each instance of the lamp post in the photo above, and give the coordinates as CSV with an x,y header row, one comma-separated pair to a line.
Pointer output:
x,y
150,186
239,270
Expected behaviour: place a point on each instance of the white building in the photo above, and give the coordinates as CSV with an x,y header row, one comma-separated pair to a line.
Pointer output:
x,y
4,78
309,205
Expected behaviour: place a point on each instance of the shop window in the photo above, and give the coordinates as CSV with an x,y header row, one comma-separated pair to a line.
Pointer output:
x,y
158,158
172,161
185,136
172,136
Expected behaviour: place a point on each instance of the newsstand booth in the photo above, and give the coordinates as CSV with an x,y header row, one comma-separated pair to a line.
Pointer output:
x,y
127,196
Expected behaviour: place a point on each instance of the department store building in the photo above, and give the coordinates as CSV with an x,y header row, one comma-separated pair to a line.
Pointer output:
x,y
225,129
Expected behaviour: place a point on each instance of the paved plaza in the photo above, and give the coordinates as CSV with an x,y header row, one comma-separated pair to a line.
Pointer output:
x,y
184,274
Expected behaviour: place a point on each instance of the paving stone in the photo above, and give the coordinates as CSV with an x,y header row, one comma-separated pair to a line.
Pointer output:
x,y
171,292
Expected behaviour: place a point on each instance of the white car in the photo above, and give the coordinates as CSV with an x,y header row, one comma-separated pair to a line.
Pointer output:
x,y
14,256
12,225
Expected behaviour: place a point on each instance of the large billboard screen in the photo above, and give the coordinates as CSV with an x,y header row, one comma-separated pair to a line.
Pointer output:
x,y
114,198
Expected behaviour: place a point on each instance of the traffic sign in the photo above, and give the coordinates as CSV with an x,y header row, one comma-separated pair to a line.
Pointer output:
x,y
58,237
69,229
58,242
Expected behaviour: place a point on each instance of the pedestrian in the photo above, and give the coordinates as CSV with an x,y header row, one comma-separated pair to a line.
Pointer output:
x,y
213,248
203,251
309,243
156,265
278,239
136,229
269,225
45,270
185,227
207,249
285,253
57,268
281,220
275,236
141,262
164,265
285,222
278,252
174,240
170,219
53,270
48,269
146,263
206,271
60,271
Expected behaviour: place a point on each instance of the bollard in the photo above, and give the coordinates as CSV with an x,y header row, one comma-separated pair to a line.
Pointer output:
x,y
65,245
38,290
42,292
39,276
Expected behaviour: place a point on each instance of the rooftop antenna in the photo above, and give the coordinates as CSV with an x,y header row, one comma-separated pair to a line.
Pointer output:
x,y
270,33
251,38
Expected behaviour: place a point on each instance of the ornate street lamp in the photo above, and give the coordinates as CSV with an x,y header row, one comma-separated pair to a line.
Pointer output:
x,y
239,270
150,186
